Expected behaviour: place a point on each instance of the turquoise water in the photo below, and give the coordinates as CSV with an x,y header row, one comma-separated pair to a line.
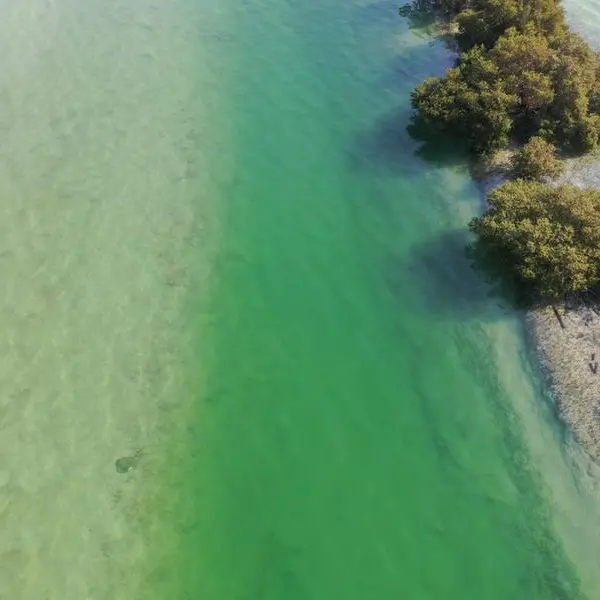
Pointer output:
x,y
364,430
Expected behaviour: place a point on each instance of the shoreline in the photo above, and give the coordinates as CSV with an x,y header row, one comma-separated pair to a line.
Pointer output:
x,y
564,354
569,355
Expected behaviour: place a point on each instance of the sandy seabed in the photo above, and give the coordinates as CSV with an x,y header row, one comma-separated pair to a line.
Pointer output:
x,y
105,237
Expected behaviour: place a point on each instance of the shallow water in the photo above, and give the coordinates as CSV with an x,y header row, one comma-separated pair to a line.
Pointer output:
x,y
219,245
105,216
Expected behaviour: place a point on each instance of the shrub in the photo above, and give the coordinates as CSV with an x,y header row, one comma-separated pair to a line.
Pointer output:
x,y
469,103
545,79
536,161
547,236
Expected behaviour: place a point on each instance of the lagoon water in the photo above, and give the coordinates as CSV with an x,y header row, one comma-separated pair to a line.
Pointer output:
x,y
223,248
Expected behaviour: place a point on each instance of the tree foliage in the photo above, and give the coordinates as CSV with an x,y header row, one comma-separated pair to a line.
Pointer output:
x,y
536,161
448,7
468,102
523,76
522,73
485,21
547,236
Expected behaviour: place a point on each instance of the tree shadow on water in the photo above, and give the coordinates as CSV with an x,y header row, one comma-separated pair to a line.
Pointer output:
x,y
435,148
450,279
395,13
398,145
418,17
381,12
404,71
385,147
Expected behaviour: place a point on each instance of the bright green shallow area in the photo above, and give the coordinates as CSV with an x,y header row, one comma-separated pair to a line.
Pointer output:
x,y
362,437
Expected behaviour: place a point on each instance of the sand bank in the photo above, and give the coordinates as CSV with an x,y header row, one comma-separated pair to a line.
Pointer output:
x,y
570,356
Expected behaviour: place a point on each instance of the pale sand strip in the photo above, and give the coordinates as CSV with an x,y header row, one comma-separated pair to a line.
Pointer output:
x,y
104,218
567,356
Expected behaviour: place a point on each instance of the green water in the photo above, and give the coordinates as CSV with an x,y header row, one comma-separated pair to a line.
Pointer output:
x,y
219,246
365,434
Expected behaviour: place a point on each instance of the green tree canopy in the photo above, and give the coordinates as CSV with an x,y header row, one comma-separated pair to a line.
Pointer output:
x,y
536,160
544,88
547,236
485,21
545,79
469,102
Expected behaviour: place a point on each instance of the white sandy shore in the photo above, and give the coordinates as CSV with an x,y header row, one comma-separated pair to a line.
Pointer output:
x,y
102,237
569,355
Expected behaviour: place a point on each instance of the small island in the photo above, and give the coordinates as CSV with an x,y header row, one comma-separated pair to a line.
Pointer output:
x,y
525,86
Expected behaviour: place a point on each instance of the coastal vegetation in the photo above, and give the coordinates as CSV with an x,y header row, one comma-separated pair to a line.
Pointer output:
x,y
536,161
524,83
548,236
523,78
